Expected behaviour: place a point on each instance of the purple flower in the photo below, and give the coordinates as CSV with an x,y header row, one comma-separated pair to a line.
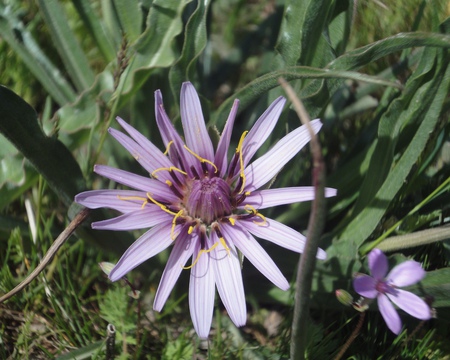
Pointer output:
x,y
386,289
204,206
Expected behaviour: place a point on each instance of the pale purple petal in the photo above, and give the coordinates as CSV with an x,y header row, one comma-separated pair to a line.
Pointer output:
x,y
195,133
177,153
149,244
227,271
146,153
201,293
378,264
261,199
144,218
221,156
157,189
364,285
411,303
255,254
267,166
406,273
279,234
180,253
112,199
261,130
389,314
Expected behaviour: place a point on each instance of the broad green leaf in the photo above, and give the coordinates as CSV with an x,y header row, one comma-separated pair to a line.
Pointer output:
x,y
93,23
437,285
424,110
154,48
22,42
302,26
259,86
130,16
48,155
194,44
66,44
85,352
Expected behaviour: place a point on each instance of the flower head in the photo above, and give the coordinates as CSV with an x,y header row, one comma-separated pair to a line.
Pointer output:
x,y
386,289
203,205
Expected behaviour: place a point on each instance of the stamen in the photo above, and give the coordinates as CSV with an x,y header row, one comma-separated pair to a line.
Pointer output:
x,y
162,206
250,209
241,160
202,160
174,222
232,220
168,147
170,169
202,251
144,200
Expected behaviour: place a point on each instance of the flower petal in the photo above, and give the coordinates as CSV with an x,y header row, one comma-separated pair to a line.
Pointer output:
x,y
195,133
201,293
144,218
112,199
227,271
364,285
261,199
411,303
389,314
147,154
221,156
158,190
406,273
254,253
177,153
180,253
267,166
149,244
378,264
279,234
261,130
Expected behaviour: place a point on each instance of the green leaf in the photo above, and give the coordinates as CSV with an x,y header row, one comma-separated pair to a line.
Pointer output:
x,y
154,49
194,43
21,41
302,26
259,86
422,111
48,155
66,44
130,16
94,25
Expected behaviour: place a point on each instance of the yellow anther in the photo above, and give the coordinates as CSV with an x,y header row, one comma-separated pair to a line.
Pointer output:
x,y
174,223
162,206
168,147
143,199
241,160
232,220
168,182
202,160
224,244
172,168
190,230
250,209
199,254
247,193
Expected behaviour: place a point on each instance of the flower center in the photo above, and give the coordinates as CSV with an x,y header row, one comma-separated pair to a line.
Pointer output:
x,y
384,288
209,199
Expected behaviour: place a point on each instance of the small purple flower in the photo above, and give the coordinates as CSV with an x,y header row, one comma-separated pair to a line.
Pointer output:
x,y
204,206
386,289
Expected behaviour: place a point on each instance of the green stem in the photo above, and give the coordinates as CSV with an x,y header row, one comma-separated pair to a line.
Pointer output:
x,y
316,221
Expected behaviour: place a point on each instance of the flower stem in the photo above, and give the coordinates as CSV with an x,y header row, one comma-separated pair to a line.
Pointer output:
x,y
352,337
316,221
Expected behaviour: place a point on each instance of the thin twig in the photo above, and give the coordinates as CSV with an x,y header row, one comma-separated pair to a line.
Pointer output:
x,y
316,220
60,240
352,337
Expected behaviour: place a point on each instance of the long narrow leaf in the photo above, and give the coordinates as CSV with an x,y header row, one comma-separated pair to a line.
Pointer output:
x,y
66,44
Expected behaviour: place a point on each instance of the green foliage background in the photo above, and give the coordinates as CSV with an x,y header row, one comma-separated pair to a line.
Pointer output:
x,y
376,73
